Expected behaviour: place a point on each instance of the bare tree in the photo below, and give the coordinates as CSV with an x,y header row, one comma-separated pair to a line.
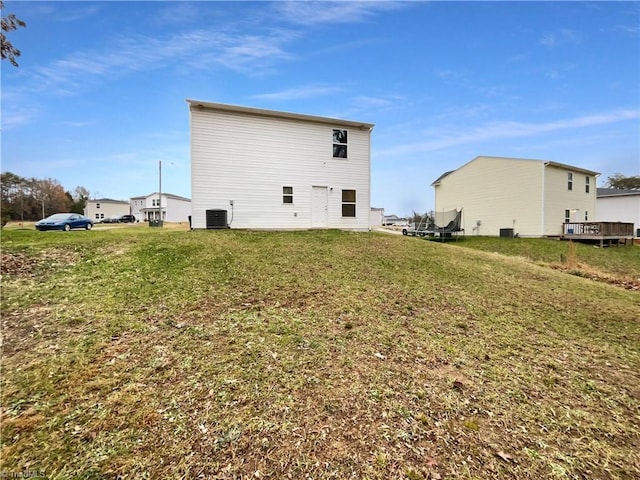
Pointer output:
x,y
9,23
80,196
625,183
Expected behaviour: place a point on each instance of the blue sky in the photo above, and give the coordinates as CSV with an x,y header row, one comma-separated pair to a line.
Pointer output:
x,y
99,96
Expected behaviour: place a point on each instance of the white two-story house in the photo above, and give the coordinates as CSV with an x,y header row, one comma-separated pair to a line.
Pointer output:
x,y
149,207
265,169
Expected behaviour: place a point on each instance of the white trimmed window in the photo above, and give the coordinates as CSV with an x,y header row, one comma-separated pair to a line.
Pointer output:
x,y
587,181
348,203
569,181
287,194
339,143
567,216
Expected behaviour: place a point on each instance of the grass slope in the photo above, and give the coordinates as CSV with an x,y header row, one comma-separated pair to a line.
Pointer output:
x,y
142,353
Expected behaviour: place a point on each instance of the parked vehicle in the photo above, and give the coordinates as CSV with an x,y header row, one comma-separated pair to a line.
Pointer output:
x,y
126,219
64,221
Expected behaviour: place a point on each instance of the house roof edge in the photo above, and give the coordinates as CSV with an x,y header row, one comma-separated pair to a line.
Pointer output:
x,y
202,105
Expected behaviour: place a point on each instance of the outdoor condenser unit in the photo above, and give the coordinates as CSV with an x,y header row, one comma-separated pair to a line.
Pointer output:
x,y
217,219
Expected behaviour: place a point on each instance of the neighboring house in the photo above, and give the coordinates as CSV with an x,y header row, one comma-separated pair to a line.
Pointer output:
x,y
101,208
532,197
615,205
264,169
174,208
376,217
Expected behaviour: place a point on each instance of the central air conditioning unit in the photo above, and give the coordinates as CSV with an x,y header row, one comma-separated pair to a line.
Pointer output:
x,y
217,219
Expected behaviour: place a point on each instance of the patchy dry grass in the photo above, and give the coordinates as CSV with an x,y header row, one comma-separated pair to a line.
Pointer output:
x,y
167,354
617,265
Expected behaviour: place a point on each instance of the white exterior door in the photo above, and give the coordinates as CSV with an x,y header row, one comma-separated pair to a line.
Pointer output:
x,y
319,208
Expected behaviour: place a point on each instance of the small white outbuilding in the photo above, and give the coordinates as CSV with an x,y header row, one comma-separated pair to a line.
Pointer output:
x,y
265,169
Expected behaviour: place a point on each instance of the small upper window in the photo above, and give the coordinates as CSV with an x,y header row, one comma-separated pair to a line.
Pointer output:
x,y
569,181
348,203
586,184
287,194
339,143
97,205
586,216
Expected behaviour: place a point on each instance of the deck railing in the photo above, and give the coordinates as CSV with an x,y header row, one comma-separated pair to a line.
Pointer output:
x,y
603,229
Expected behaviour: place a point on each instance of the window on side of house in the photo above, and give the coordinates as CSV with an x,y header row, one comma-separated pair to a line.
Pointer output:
x,y
287,194
339,143
97,205
102,215
348,203
587,181
569,181
97,216
567,216
586,216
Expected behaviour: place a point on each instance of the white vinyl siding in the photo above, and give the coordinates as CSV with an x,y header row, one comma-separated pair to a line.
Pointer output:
x,y
106,208
623,208
176,209
530,196
495,194
559,198
247,158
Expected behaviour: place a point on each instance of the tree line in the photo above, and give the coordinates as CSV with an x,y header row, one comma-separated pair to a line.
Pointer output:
x,y
29,199
621,182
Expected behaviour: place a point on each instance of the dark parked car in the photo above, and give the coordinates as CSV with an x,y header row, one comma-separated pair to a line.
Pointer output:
x,y
64,221
126,219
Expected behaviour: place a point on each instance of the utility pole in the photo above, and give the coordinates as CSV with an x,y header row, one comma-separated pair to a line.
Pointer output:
x,y
159,193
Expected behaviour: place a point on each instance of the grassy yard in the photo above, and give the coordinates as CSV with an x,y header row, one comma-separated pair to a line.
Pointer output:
x,y
162,353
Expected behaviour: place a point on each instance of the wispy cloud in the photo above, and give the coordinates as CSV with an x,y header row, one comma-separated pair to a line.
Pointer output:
x,y
501,130
463,80
81,13
631,29
314,13
252,55
75,124
248,54
383,102
299,93
17,110
560,37
12,118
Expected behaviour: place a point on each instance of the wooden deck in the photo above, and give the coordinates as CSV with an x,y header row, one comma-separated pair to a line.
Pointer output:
x,y
605,233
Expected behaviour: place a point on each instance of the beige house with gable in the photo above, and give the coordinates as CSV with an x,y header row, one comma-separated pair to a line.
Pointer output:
x,y
532,197
99,209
